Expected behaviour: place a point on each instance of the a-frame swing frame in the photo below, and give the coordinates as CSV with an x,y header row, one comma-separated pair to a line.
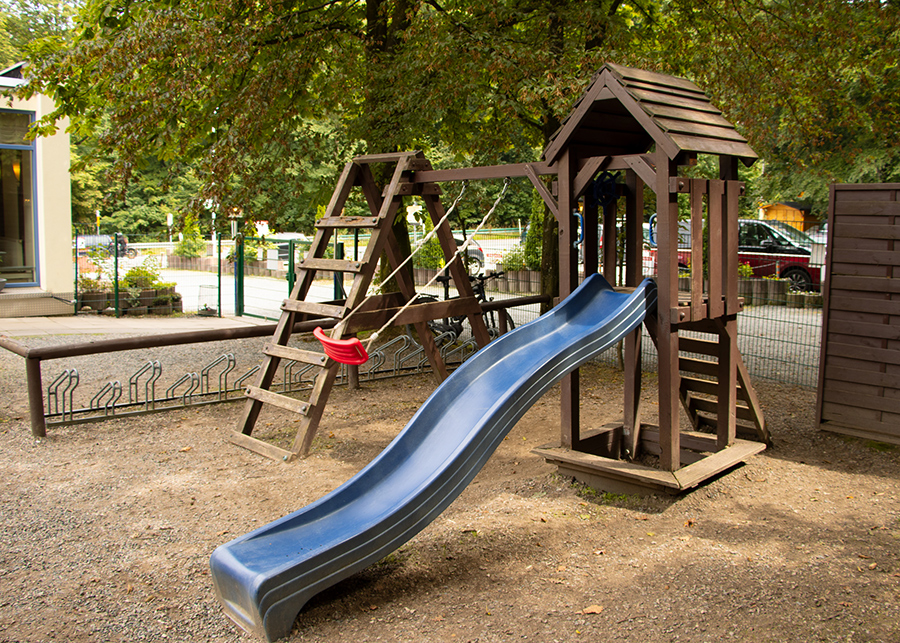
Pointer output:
x,y
359,311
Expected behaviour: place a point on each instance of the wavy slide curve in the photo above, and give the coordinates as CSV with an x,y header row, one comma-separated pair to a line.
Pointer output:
x,y
265,577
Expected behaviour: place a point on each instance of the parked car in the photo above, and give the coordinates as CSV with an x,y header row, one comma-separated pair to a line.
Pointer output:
x,y
104,244
474,253
777,248
769,247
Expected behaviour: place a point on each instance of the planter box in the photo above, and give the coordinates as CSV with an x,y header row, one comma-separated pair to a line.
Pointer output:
x,y
760,292
94,300
778,290
745,290
795,300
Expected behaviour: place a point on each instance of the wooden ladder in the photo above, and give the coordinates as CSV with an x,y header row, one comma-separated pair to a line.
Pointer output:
x,y
373,311
701,393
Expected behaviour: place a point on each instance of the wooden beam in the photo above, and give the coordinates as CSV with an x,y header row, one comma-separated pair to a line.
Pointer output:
x,y
513,170
542,190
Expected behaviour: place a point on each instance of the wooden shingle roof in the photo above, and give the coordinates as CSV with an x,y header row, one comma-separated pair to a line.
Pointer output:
x,y
626,111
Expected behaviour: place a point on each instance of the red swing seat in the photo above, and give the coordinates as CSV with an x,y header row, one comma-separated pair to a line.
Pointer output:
x,y
345,351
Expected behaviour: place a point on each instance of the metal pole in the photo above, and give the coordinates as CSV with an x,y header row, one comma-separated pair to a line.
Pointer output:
x,y
35,397
116,271
219,264
291,277
338,275
239,274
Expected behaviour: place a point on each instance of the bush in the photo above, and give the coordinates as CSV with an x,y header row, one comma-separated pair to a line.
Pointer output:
x,y
514,259
430,255
143,276
534,235
192,243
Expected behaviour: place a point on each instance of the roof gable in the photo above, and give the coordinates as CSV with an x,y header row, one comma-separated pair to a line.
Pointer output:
x,y
626,111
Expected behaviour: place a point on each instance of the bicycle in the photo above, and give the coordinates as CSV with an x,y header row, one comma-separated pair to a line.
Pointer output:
x,y
453,329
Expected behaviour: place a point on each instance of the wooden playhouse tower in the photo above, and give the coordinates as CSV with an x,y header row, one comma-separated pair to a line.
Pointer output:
x,y
648,125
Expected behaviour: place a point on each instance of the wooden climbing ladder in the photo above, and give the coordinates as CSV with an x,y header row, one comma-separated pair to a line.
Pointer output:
x,y
368,312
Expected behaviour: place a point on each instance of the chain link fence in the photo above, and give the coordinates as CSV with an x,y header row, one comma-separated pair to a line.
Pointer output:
x,y
778,331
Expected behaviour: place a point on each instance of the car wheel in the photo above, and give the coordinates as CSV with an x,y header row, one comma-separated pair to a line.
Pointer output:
x,y
799,278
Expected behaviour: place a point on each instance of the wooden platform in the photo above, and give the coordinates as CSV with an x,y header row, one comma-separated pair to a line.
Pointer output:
x,y
701,462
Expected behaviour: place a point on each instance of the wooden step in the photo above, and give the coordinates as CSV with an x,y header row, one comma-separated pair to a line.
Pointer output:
x,y
260,447
707,387
347,222
700,346
296,354
312,308
700,366
712,406
281,401
334,265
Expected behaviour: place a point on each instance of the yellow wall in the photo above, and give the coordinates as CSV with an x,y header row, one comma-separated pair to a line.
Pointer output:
x,y
54,201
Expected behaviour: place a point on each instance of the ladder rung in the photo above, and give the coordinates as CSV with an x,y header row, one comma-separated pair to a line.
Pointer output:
x,y
707,387
701,366
296,354
335,265
701,346
408,189
386,157
260,447
312,308
281,401
348,222
712,406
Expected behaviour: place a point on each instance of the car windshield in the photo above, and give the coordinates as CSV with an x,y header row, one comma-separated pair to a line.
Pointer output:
x,y
792,233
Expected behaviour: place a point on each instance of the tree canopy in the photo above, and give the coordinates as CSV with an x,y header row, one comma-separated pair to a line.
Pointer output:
x,y
264,101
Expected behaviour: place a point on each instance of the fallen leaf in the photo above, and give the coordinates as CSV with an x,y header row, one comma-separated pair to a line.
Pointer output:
x,y
864,556
185,449
873,565
592,609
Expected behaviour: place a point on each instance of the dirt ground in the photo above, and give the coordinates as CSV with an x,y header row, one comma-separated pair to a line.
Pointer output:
x,y
107,531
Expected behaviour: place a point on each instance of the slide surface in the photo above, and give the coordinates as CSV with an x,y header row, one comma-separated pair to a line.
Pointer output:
x,y
265,577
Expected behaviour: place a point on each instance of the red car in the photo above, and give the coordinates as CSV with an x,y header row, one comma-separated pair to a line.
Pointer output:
x,y
768,247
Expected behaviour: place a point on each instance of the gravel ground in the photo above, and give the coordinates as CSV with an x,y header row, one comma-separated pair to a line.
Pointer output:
x,y
107,528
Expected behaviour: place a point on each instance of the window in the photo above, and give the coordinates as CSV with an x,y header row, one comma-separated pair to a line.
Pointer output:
x,y
18,231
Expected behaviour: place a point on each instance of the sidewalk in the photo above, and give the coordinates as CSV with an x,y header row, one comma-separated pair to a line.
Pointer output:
x,y
101,324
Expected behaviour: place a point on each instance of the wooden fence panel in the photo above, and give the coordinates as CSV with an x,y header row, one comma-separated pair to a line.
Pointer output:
x,y
859,370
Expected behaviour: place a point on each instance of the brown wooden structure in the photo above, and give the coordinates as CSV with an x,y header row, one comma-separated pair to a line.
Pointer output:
x,y
646,125
859,369
650,125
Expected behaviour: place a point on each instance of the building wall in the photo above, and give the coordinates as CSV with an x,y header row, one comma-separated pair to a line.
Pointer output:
x,y
53,202
790,215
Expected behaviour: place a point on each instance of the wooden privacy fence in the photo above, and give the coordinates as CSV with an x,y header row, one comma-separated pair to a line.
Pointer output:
x,y
859,372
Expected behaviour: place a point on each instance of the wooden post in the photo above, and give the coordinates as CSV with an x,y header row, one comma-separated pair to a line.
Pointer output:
x,y
35,397
634,241
610,243
667,306
590,249
728,349
570,417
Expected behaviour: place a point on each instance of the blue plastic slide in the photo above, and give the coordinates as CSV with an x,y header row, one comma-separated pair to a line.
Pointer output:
x,y
264,578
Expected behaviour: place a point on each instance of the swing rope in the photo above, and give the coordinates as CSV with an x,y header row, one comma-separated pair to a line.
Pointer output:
x,y
352,351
